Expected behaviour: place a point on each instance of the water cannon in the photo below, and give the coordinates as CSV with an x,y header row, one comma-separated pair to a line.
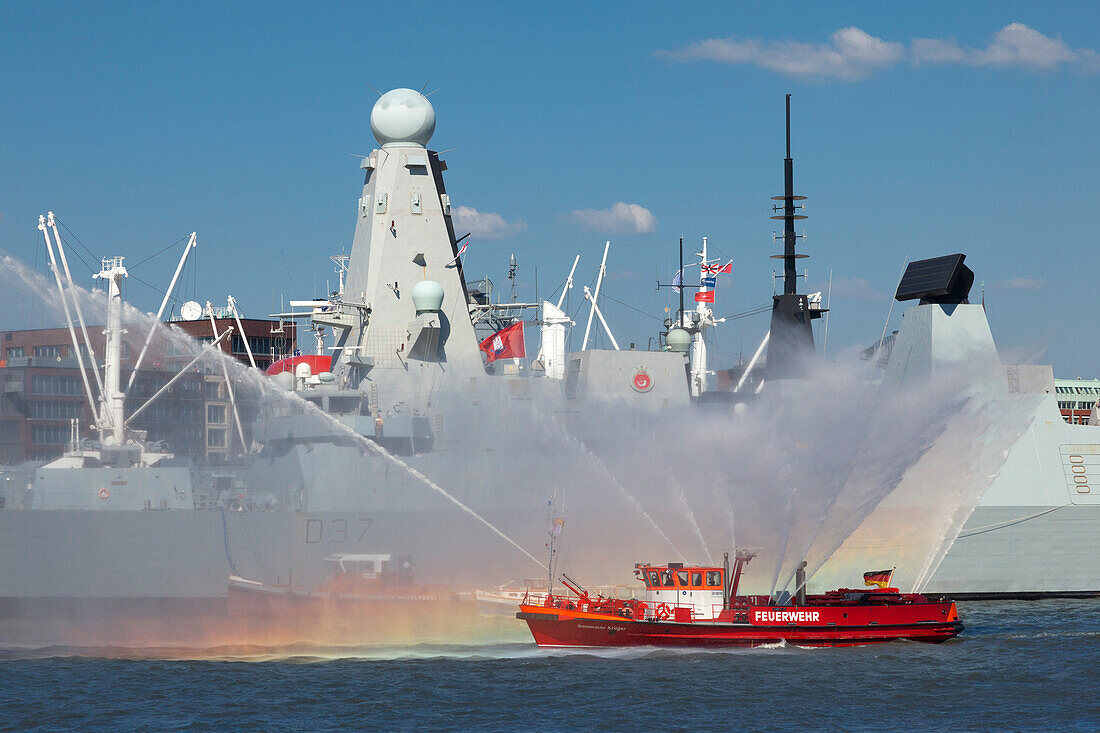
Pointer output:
x,y
574,586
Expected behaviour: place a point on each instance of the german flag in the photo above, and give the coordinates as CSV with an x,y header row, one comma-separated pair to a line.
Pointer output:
x,y
881,578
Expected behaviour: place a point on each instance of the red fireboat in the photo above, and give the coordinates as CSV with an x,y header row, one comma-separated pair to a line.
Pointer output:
x,y
697,606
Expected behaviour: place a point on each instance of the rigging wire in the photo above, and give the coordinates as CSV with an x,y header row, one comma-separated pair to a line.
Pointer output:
x,y
754,310
151,287
73,235
633,308
77,254
131,268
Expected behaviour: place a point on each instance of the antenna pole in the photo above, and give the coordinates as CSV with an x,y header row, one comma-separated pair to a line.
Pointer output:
x,y
240,329
790,276
788,125
599,282
568,281
76,300
69,320
680,321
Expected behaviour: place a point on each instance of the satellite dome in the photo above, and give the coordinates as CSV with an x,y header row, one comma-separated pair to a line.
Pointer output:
x,y
427,295
678,340
402,116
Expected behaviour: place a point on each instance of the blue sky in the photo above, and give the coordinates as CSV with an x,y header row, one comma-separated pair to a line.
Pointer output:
x,y
138,123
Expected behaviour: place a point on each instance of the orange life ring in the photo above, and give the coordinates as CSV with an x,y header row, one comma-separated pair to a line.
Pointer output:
x,y
104,494
662,611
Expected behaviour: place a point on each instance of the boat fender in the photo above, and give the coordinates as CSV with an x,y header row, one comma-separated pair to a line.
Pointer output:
x,y
104,494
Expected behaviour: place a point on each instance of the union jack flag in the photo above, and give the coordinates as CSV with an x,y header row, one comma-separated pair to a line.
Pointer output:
x,y
717,269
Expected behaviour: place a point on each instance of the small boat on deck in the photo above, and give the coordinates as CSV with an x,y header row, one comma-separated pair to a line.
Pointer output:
x,y
698,606
355,582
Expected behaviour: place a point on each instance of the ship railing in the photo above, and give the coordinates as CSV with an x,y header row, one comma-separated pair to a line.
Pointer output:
x,y
690,612
625,607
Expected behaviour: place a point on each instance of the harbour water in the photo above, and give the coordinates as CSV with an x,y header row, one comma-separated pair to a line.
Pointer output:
x,y
1018,666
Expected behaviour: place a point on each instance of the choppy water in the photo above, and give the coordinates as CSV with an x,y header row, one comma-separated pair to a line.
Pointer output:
x,y
1018,666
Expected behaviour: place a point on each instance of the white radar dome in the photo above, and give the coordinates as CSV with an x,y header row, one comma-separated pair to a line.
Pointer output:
x,y
402,116
427,295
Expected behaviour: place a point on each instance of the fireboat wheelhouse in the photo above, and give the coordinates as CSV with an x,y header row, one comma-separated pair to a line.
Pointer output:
x,y
698,606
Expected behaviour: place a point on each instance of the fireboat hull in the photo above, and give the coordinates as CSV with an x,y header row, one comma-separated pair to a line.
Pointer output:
x,y
934,622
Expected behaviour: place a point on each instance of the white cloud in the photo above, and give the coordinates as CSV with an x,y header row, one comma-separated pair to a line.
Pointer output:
x,y
1022,283
853,54
854,288
484,225
621,218
1014,45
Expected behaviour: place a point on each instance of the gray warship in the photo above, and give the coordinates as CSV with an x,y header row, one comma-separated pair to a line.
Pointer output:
x,y
396,448
408,445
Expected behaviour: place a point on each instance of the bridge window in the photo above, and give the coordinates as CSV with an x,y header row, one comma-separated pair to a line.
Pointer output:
x,y
682,577
714,578
654,580
666,578
697,579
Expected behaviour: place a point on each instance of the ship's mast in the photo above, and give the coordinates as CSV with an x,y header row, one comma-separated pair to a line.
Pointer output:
x,y
790,276
704,317
790,338
113,400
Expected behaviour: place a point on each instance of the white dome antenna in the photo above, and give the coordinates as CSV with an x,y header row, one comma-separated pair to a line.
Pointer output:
x,y
191,311
402,117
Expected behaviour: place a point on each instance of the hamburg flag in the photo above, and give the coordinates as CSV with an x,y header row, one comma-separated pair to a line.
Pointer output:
x,y
881,578
506,343
704,296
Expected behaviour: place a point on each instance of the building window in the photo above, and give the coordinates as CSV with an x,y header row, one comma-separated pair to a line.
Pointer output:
x,y
215,414
16,352
215,438
55,409
53,385
50,434
47,352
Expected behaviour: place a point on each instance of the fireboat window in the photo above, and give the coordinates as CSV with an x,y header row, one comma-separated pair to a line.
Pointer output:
x,y
654,580
666,578
697,579
682,577
714,578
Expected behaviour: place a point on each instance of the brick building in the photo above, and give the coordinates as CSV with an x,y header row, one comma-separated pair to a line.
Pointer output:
x,y
42,392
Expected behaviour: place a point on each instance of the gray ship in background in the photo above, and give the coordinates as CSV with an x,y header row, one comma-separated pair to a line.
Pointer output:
x,y
418,436
1035,530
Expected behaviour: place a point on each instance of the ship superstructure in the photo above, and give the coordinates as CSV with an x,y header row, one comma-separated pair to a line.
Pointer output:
x,y
1035,530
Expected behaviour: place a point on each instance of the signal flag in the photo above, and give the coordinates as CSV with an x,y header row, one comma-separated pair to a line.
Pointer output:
x,y
881,578
507,343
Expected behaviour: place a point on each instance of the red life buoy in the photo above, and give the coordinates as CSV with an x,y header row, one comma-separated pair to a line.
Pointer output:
x,y
662,611
104,494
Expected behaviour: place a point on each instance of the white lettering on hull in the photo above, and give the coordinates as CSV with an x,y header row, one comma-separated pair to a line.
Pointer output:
x,y
768,616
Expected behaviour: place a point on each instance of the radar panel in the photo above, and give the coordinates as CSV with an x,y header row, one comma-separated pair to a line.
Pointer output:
x,y
937,280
